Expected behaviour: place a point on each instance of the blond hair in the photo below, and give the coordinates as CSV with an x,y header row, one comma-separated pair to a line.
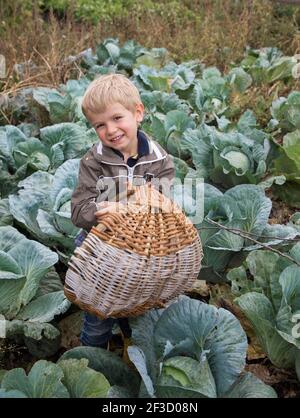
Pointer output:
x,y
107,90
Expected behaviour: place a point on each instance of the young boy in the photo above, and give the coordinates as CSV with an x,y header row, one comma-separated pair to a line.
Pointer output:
x,y
113,106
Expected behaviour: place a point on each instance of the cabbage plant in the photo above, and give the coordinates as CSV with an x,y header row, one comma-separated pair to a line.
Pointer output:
x,y
267,65
123,379
227,158
210,97
244,208
285,113
210,94
286,120
43,206
271,301
205,91
67,141
192,349
21,156
295,221
287,162
110,52
228,222
31,295
111,55
5,216
172,78
168,129
64,104
67,379
189,349
161,102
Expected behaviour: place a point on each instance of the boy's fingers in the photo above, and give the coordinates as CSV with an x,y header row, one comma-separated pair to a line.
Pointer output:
x,y
101,212
110,208
102,204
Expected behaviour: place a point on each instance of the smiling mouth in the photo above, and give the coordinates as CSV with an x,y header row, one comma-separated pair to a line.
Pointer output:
x,y
116,139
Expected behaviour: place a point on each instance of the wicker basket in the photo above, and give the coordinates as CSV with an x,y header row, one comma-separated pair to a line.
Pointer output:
x,y
134,261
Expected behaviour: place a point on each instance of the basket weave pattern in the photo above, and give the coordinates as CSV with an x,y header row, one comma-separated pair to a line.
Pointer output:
x,y
134,261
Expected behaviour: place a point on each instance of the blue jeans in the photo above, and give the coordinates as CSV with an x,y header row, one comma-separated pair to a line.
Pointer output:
x,y
97,332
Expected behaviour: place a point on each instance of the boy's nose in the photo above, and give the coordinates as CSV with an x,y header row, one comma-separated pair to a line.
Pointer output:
x,y
111,129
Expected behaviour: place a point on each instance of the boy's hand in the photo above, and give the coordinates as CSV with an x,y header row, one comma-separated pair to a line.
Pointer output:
x,y
109,207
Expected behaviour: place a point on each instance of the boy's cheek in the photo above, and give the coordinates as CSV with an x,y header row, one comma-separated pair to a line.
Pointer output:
x,y
99,134
101,138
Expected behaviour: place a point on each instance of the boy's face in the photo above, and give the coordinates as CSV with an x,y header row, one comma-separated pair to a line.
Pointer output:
x,y
117,126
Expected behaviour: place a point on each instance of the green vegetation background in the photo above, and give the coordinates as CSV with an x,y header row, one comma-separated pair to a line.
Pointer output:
x,y
213,30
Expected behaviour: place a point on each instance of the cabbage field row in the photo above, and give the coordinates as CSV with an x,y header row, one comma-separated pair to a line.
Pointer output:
x,y
191,348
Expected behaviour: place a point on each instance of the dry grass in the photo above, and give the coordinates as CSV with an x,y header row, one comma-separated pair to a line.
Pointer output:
x,y
216,32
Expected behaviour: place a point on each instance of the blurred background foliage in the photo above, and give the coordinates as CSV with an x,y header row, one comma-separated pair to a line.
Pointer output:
x,y
215,31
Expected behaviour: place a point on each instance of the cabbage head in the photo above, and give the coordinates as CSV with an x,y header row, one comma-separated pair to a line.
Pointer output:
x,y
43,206
192,350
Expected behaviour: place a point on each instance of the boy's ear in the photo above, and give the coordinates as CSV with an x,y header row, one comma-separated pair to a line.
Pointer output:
x,y
139,111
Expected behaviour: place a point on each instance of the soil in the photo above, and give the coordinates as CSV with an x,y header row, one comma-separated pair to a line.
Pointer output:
x,y
13,355
284,382
280,213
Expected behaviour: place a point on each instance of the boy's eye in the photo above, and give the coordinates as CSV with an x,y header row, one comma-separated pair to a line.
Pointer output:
x,y
98,126
118,117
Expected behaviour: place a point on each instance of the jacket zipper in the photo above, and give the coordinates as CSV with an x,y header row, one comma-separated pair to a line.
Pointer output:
x,y
130,170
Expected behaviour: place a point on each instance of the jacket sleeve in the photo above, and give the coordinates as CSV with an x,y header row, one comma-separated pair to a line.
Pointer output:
x,y
166,176
83,201
167,170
